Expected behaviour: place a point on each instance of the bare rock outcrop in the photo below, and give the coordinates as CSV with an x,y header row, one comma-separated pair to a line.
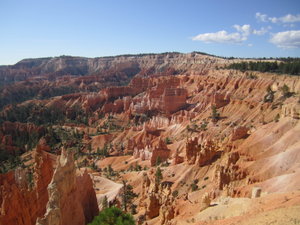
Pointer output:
x,y
43,146
160,153
177,159
23,192
154,206
291,110
205,201
256,192
72,199
200,153
192,148
239,133
228,172
208,151
156,198
173,99
219,100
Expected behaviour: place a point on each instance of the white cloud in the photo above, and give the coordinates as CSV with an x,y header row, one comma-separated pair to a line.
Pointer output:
x,y
262,30
287,39
231,38
261,17
289,18
245,29
220,37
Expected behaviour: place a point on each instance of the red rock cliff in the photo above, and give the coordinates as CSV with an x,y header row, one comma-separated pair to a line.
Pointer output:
x,y
22,201
72,199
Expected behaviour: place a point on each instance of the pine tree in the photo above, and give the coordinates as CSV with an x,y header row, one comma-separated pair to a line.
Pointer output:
x,y
215,115
127,196
158,175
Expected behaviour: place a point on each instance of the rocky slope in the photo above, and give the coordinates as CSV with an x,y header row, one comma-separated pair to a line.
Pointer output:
x,y
146,64
226,142
47,77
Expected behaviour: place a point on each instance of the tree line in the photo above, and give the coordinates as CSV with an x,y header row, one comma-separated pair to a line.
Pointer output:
x,y
291,66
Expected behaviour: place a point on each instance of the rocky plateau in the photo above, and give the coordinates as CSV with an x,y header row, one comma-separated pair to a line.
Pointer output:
x,y
195,142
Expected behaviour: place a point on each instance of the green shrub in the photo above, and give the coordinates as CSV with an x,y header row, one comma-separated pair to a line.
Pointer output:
x,y
175,193
285,91
194,187
215,115
269,97
113,216
168,141
158,161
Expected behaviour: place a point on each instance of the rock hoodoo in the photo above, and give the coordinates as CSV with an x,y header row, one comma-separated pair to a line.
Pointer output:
x,y
21,188
68,202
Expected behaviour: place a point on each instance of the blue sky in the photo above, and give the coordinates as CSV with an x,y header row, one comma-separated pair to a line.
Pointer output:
x,y
91,28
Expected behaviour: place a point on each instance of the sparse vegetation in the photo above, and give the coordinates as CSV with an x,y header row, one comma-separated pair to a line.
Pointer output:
x,y
127,196
30,180
103,151
215,115
137,167
158,161
251,76
285,91
44,115
158,175
165,164
8,161
194,185
203,125
105,203
175,193
168,141
277,117
269,97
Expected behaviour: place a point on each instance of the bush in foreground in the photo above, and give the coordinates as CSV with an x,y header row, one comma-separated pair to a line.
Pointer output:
x,y
113,216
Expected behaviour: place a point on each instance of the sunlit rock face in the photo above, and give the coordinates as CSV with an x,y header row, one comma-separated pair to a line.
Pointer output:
x,y
23,199
72,198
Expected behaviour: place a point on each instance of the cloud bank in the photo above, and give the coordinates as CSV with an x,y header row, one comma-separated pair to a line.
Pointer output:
x,y
230,38
289,18
220,37
286,39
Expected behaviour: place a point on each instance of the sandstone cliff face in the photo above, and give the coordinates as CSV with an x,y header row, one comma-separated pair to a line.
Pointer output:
x,y
201,154
23,199
239,132
48,77
167,63
160,153
71,200
163,95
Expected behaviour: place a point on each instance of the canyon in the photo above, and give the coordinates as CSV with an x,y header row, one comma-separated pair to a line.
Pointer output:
x,y
195,142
